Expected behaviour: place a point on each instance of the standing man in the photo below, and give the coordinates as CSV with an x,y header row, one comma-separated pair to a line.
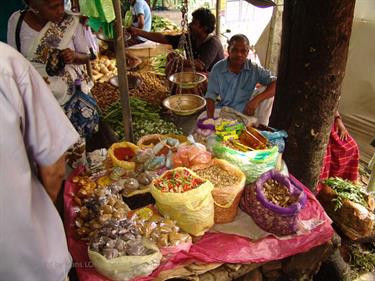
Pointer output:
x,y
234,80
35,133
142,19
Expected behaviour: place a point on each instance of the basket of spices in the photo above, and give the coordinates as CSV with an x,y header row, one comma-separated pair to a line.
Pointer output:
x,y
228,182
183,196
122,153
274,203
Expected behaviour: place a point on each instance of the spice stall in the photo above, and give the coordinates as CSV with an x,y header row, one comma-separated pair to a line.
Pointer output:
x,y
196,217
222,202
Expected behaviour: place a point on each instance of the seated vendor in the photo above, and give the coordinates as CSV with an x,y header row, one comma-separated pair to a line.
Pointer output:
x,y
206,47
142,19
233,80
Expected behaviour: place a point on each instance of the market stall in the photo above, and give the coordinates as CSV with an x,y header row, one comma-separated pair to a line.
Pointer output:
x,y
169,205
196,218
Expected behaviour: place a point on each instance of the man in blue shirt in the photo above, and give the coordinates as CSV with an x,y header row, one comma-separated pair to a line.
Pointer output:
x,y
142,19
234,79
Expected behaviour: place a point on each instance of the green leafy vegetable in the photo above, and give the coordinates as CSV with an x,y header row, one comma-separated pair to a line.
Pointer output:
x,y
146,119
346,190
160,24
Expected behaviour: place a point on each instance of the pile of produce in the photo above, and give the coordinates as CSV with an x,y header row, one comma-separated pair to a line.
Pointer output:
x,y
349,206
105,94
161,24
152,89
103,69
177,181
146,120
346,190
158,64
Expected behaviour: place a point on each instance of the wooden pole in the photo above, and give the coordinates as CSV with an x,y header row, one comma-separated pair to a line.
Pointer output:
x,y
122,72
218,23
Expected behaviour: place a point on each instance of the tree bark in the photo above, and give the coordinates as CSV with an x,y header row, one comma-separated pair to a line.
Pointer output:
x,y
314,48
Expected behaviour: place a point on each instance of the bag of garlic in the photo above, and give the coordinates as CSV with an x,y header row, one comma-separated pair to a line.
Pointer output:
x,y
274,203
119,253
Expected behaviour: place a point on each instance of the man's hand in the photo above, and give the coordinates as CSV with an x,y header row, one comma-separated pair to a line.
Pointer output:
x,y
52,177
133,31
69,56
251,106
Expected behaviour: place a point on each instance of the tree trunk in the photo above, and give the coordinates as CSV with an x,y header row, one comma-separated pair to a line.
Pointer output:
x,y
314,48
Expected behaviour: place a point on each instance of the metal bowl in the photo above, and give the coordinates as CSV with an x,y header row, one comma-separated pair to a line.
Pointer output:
x,y
187,80
184,104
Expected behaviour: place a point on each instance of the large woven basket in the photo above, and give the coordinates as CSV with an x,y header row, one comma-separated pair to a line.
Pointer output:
x,y
226,202
226,215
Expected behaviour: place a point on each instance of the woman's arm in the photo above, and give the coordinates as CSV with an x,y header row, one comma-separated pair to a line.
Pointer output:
x,y
71,57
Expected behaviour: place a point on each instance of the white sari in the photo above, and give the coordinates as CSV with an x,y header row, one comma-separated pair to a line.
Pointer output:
x,y
58,36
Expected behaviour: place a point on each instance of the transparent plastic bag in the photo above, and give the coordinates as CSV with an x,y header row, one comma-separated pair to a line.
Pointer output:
x,y
252,163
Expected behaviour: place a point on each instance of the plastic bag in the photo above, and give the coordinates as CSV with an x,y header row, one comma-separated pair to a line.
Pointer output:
x,y
251,163
226,199
190,155
192,210
267,215
127,267
276,138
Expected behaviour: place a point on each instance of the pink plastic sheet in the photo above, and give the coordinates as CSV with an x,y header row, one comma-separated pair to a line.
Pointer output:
x,y
212,247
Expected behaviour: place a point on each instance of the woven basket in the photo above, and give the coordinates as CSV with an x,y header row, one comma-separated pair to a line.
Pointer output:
x,y
226,215
226,202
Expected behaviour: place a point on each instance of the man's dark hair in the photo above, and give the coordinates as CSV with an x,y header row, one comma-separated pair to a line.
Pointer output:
x,y
205,18
238,37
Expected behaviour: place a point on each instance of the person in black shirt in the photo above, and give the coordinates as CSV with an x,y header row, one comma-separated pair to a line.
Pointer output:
x,y
206,47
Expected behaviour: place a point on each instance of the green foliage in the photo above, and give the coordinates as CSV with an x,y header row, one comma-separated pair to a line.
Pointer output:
x,y
160,24
146,119
346,190
362,260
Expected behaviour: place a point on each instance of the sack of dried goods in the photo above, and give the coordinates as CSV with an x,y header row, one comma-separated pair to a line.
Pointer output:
x,y
183,196
122,153
118,251
274,203
164,232
251,163
349,206
228,182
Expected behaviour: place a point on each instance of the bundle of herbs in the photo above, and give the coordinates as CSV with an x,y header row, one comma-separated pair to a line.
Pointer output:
x,y
346,190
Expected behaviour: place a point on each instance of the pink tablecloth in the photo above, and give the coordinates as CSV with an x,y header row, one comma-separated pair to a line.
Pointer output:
x,y
213,247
